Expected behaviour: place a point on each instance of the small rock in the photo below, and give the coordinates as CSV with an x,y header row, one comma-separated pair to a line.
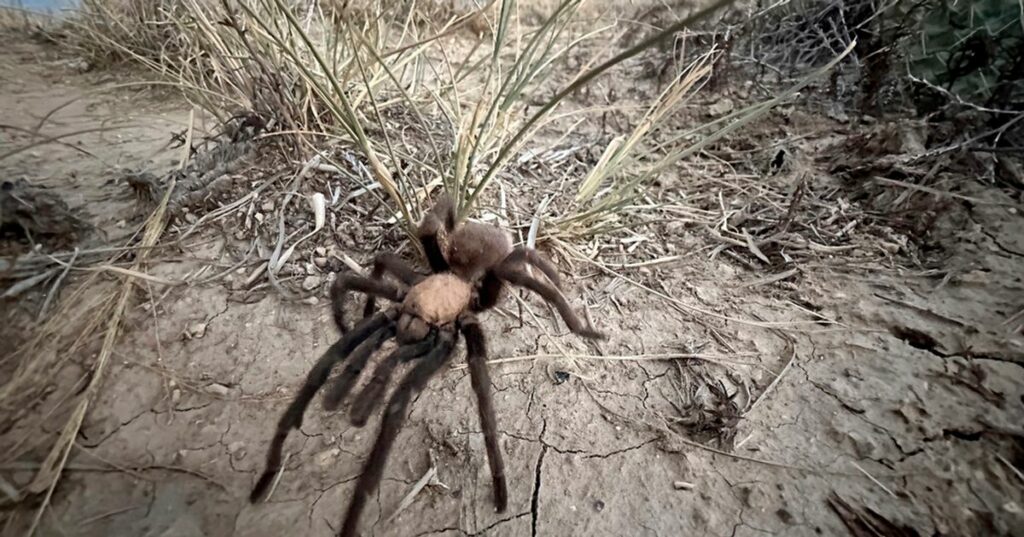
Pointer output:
x,y
598,506
195,330
218,389
237,450
676,227
976,277
320,251
320,262
175,396
80,65
312,301
191,218
682,485
722,107
267,206
864,446
310,269
311,282
838,115
327,457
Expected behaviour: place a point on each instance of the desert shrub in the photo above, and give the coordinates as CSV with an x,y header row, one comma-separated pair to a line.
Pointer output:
x,y
972,50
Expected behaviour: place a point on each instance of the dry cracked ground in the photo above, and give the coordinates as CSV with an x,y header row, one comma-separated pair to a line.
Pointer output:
x,y
910,403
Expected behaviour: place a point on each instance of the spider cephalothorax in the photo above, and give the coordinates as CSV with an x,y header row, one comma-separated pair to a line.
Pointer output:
x,y
470,262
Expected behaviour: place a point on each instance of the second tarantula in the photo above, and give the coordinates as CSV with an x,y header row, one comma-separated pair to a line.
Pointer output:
x,y
470,264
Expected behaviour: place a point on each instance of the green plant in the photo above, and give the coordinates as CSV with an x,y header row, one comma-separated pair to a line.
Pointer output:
x,y
971,49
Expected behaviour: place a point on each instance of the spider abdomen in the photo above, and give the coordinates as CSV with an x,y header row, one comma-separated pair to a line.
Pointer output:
x,y
439,299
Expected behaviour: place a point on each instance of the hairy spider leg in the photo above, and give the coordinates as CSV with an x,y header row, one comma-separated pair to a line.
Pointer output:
x,y
435,258
441,215
444,211
354,282
292,417
397,267
354,366
523,254
488,293
511,271
491,285
369,398
394,416
480,378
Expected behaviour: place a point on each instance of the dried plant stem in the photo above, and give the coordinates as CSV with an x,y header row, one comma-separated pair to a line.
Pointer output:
x,y
513,143
53,468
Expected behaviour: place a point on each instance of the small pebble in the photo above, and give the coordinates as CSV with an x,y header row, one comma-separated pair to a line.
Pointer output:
x,y
311,282
722,107
326,457
195,330
218,389
237,449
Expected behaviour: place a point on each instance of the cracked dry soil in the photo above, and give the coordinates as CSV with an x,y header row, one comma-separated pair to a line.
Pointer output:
x,y
927,437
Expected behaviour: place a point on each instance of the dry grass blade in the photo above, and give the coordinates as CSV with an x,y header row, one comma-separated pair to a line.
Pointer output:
x,y
424,480
51,470
604,213
597,205
508,148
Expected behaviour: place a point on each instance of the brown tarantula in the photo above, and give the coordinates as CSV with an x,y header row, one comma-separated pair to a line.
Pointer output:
x,y
470,264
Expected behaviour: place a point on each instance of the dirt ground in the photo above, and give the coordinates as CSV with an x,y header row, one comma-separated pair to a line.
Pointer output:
x,y
900,391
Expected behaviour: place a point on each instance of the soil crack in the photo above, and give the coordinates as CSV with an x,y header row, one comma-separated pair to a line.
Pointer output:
x,y
619,451
535,500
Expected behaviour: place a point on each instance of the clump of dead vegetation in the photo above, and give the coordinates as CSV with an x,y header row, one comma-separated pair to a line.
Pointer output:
x,y
905,118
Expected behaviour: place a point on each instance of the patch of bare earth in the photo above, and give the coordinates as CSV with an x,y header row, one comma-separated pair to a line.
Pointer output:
x,y
868,386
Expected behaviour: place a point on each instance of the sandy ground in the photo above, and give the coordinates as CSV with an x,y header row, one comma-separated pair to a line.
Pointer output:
x,y
927,437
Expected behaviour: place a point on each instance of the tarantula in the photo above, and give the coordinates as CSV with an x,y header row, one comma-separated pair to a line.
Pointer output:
x,y
470,263
483,254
